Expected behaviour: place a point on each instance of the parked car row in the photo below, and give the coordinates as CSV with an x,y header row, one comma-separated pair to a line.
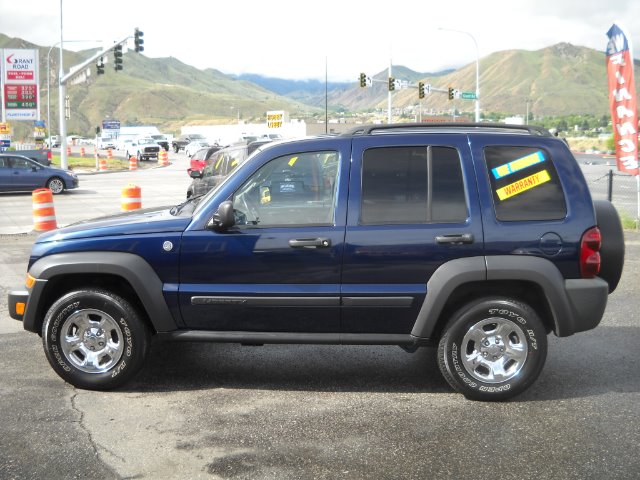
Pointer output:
x,y
209,166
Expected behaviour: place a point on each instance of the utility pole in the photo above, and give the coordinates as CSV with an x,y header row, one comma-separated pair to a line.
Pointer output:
x,y
75,72
61,94
389,97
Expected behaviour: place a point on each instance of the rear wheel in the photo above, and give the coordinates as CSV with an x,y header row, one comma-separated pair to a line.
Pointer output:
x,y
492,349
94,339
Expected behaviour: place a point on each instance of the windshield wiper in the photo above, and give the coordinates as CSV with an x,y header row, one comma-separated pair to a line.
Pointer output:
x,y
175,210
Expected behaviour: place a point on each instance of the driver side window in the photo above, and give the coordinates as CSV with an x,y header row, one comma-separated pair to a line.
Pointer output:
x,y
291,190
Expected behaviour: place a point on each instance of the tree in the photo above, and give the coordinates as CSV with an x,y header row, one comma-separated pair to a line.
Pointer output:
x,y
562,126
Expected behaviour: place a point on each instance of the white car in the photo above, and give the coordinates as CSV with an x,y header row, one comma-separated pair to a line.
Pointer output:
x,y
193,147
106,142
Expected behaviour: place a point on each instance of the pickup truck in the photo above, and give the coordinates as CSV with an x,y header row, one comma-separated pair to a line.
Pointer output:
x,y
42,156
183,140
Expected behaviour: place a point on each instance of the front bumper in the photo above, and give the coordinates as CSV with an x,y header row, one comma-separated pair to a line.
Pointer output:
x,y
18,303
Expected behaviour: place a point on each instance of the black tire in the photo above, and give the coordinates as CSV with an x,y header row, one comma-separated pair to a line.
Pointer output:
x,y
56,185
176,148
612,249
94,339
492,349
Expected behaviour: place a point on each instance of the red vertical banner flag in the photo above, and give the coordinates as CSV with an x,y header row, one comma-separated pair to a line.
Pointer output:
x,y
623,101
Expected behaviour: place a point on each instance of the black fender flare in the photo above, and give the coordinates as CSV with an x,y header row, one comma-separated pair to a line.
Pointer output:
x,y
575,304
133,268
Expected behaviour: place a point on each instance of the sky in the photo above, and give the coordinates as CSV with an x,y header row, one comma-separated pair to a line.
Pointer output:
x,y
298,39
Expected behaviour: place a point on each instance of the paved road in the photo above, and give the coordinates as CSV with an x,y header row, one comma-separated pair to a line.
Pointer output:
x,y
100,194
322,412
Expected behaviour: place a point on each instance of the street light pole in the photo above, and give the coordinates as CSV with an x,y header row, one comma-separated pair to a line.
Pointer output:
x,y
477,68
49,81
61,94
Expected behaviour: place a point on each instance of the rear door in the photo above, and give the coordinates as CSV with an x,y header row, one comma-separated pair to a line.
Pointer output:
x,y
413,207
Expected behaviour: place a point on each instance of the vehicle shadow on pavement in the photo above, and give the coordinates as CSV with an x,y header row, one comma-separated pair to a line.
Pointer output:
x,y
174,366
580,366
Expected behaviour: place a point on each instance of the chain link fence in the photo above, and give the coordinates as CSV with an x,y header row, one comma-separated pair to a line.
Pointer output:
x,y
607,183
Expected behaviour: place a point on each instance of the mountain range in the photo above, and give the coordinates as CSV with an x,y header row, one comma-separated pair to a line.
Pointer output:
x,y
558,80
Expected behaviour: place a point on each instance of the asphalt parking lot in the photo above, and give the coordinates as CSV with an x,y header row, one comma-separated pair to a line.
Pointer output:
x,y
322,412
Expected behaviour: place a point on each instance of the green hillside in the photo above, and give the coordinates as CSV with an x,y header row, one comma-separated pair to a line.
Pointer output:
x,y
163,92
559,80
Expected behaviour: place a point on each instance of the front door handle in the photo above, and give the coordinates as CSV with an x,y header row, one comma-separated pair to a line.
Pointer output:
x,y
310,243
456,239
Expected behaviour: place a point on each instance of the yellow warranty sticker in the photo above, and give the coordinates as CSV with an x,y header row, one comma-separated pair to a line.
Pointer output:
x,y
293,161
523,185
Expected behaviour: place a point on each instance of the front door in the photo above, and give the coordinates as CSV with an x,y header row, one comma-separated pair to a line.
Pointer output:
x,y
278,269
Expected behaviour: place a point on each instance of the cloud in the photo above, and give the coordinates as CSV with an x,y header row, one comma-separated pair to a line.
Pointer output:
x,y
293,39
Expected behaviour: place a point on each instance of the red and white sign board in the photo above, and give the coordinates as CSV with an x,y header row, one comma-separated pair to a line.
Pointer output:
x,y
20,80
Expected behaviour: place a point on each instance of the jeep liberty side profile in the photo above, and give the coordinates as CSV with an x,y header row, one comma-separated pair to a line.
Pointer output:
x,y
480,239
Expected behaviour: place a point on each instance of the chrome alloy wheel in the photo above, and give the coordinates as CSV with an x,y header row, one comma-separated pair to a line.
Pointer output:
x,y
56,185
494,350
92,341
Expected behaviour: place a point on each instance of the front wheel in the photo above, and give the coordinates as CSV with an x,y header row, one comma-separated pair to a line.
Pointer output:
x,y
94,339
56,185
492,349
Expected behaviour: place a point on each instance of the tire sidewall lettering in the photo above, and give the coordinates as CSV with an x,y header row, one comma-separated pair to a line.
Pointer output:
x,y
531,331
133,336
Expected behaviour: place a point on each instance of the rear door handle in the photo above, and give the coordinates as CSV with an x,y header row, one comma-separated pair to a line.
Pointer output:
x,y
310,243
456,239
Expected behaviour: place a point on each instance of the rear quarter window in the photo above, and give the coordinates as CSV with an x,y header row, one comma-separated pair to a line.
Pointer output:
x,y
524,184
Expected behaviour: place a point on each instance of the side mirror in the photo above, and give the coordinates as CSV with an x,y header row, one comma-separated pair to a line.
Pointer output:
x,y
195,173
224,218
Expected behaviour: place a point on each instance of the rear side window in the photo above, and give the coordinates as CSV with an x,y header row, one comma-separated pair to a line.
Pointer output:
x,y
524,184
412,185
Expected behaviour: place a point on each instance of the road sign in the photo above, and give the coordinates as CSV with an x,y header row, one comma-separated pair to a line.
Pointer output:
x,y
468,96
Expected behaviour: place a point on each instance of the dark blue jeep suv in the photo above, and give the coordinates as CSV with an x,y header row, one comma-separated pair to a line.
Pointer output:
x,y
480,239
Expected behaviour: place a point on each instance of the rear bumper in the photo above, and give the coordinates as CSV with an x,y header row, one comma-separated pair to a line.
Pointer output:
x,y
587,301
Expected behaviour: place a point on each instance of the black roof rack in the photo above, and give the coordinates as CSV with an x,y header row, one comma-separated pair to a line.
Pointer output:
x,y
457,127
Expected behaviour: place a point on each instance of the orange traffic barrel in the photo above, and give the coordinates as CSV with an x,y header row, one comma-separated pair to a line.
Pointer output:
x,y
163,158
133,162
110,154
44,214
131,198
82,152
103,164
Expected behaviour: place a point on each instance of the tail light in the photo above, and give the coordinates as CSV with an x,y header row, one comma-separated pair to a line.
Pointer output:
x,y
590,253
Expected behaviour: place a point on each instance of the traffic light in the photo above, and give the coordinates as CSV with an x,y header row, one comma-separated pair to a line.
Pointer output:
x,y
138,41
451,94
117,57
392,84
420,89
100,67
363,79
